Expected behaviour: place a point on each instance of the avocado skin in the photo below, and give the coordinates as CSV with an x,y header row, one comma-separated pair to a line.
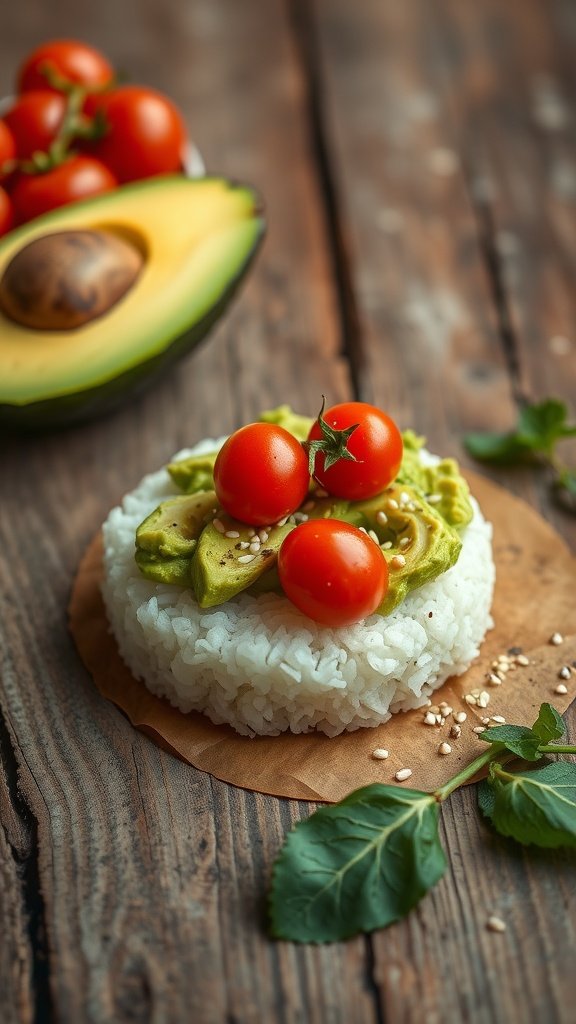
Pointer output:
x,y
90,403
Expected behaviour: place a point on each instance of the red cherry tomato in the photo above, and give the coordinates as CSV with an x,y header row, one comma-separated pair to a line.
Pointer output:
x,y
7,147
332,571
376,443
6,212
68,59
77,178
34,120
145,133
261,474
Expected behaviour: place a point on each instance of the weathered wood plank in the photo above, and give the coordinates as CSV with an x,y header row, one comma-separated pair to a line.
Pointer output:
x,y
153,875
399,95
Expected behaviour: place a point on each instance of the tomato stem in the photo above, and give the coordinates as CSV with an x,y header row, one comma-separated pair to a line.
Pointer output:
x,y
333,444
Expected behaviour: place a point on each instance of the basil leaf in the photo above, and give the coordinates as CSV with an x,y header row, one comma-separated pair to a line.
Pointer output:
x,y
517,738
543,423
357,865
486,799
536,807
549,725
499,448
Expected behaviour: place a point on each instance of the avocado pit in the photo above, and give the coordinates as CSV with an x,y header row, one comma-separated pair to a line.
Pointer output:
x,y
66,279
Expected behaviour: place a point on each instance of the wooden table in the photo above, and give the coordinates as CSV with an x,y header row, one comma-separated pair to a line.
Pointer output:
x,y
418,163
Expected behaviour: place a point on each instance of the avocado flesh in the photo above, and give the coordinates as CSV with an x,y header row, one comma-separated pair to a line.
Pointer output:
x,y
198,235
195,473
217,573
427,543
167,538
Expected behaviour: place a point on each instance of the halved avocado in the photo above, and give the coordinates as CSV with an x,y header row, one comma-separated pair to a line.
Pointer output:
x,y
198,237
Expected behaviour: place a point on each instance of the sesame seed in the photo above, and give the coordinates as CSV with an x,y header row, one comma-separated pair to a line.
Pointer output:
x,y
478,729
263,535
374,536
460,716
470,698
561,689
251,532
495,924
445,708
455,731
435,709
232,533
218,525
381,518
433,499
404,498
556,639
300,517
363,529
521,659
243,545
387,545
429,718
444,748
402,774
499,719
308,506
244,559
282,522
483,700
565,672
494,679
392,503
485,721
255,547
398,562
404,542
439,720
380,754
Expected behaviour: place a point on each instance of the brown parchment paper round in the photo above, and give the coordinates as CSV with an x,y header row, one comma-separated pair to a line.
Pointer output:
x,y
535,595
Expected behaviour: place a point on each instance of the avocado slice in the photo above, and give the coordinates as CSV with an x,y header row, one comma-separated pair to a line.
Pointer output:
x,y
195,473
416,541
167,538
198,237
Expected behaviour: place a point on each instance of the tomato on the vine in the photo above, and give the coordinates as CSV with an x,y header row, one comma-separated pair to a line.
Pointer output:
x,y
77,178
7,148
332,571
144,134
261,474
34,120
365,459
6,212
66,59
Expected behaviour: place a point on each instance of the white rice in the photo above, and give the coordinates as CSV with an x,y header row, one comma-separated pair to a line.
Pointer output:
x,y
261,666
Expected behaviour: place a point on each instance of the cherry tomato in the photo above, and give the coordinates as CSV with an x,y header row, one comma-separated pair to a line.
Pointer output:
x,y
6,212
7,147
261,474
332,571
376,444
77,178
145,133
68,59
34,120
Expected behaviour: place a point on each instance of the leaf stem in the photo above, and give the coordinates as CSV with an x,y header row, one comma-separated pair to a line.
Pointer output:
x,y
492,754
557,748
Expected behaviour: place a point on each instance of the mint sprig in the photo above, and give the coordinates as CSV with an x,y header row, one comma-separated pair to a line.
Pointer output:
x,y
333,444
367,861
540,426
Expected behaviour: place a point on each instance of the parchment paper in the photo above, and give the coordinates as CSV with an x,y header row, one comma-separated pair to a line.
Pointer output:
x,y
535,596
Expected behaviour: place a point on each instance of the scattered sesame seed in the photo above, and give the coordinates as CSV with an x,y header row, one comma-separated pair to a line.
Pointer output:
x,y
433,499
439,720
300,517
495,924
444,748
381,518
499,719
445,707
244,559
402,774
470,698
255,547
282,522
263,535
404,498
565,672
478,729
404,542
308,506
232,534
429,718
387,545
460,716
374,536
380,754
556,639
251,532
243,545
494,679
485,721
398,562
218,525
521,659
561,688
483,700
392,503
363,529
434,708
455,731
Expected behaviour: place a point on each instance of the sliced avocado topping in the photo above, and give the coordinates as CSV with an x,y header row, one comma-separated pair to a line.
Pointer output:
x,y
295,424
164,570
195,473
415,539
224,566
172,529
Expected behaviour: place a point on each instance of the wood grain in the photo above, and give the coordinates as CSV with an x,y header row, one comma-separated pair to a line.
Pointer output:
x,y
133,886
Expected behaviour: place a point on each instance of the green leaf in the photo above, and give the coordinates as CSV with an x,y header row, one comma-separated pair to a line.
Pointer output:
x,y
543,423
486,799
537,807
517,738
549,725
357,865
500,448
